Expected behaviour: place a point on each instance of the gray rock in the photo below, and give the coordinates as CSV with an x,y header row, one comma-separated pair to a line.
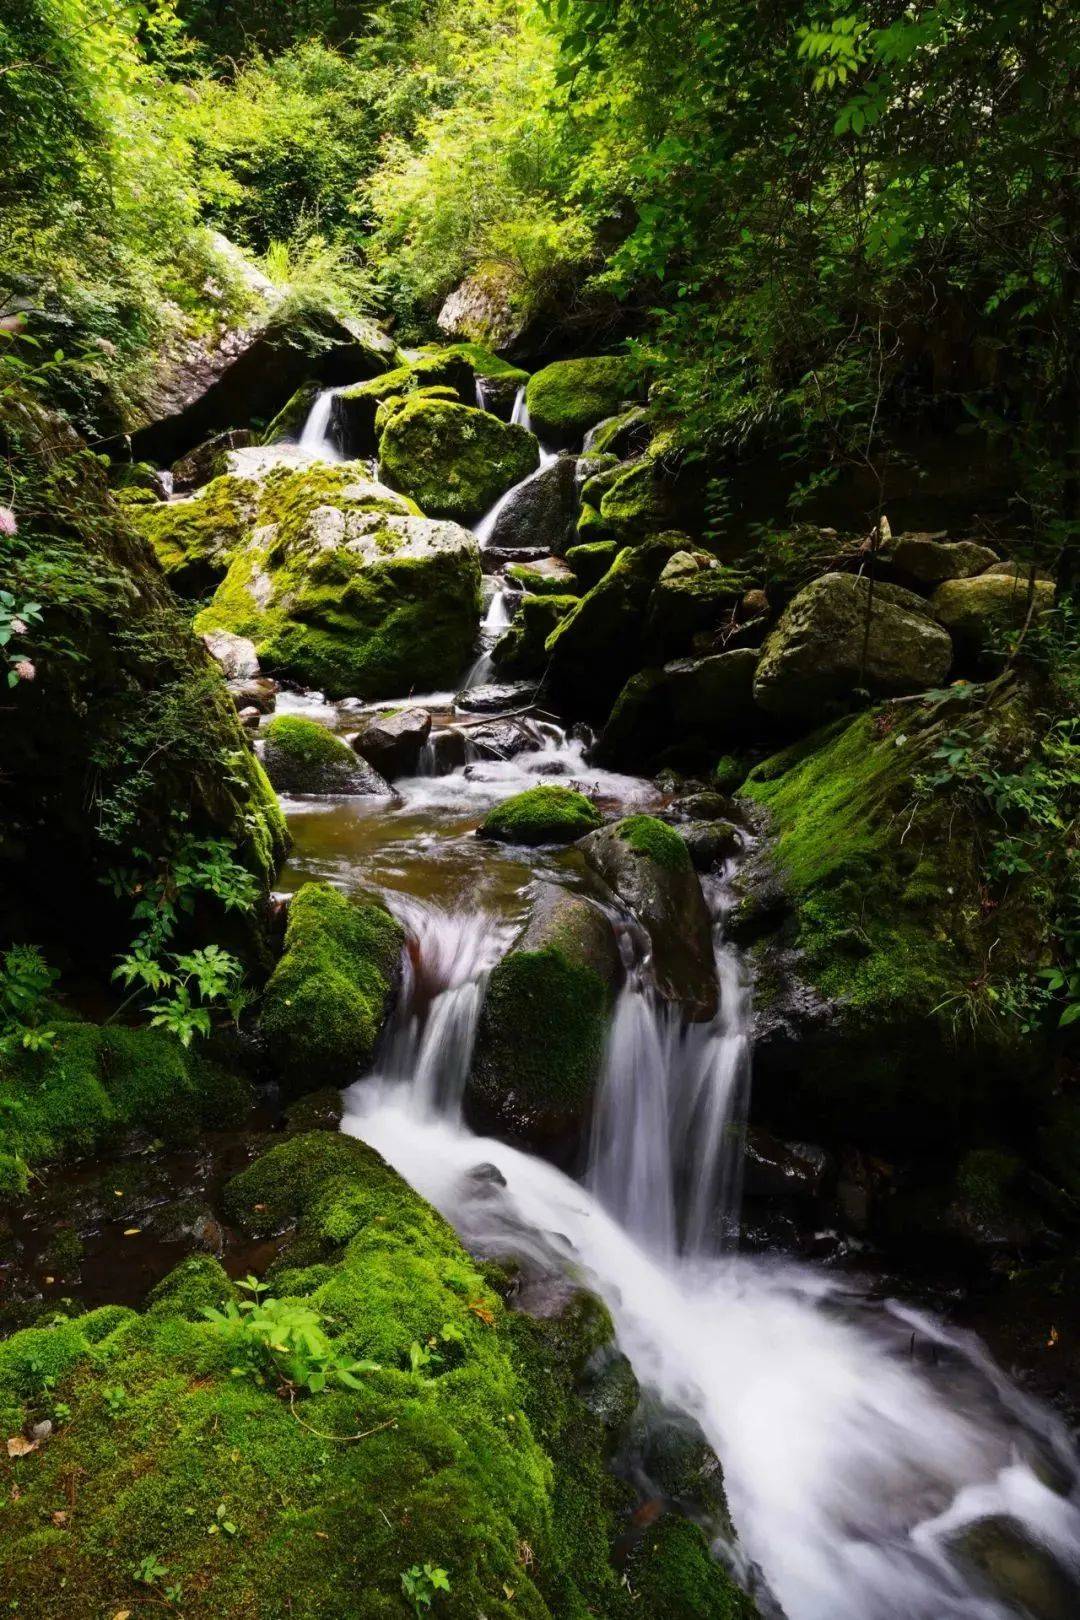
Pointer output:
x,y
980,612
773,1168
540,512
822,650
501,739
496,696
208,460
667,900
259,692
235,654
485,308
1021,1573
930,561
392,742
709,842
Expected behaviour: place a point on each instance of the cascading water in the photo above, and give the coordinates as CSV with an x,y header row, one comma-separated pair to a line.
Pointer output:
x,y
494,623
861,1441
315,436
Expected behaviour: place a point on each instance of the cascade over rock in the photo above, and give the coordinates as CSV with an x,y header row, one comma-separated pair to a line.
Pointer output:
x,y
540,512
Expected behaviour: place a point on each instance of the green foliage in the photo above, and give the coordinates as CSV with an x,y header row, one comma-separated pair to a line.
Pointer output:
x,y
542,815
421,1585
26,981
284,1339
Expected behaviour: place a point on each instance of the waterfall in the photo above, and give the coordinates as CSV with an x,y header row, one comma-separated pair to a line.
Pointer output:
x,y
860,1440
494,623
315,436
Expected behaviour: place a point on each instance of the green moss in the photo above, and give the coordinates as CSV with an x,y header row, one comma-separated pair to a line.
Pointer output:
x,y
673,1576
289,421
483,361
303,757
451,1469
537,583
358,406
328,996
729,773
570,396
454,460
195,1284
520,649
193,539
984,1178
639,501
542,815
341,590
655,839
388,408
14,1177
98,1081
543,1024
591,561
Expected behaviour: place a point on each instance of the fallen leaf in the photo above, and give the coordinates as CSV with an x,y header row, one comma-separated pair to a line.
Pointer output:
x,y
1053,1339
60,1517
132,1231
122,1614
50,1279
117,1192
479,1309
259,1208
322,1535
20,1446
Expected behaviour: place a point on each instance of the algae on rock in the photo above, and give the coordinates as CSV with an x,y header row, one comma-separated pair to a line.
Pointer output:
x,y
453,460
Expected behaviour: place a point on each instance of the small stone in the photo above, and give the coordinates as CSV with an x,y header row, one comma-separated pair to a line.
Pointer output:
x,y
40,1432
235,654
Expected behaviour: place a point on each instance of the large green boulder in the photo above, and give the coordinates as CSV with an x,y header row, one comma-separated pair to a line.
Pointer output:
x,y
519,651
454,460
541,1035
682,712
356,407
591,560
570,396
693,594
640,500
548,814
329,995
303,757
840,634
595,648
981,613
195,538
342,585
648,866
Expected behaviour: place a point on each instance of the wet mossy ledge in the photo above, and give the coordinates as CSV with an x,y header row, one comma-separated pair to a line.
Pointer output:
x,y
329,995
541,815
465,1443
97,1082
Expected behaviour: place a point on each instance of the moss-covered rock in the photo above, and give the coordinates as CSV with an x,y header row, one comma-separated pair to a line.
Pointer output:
x,y
591,561
981,612
98,1081
550,576
569,396
453,459
544,1019
193,539
328,997
842,633
342,586
520,649
681,713
640,500
691,596
456,1466
891,932
648,866
622,435
303,757
548,814
930,561
356,408
288,424
673,1576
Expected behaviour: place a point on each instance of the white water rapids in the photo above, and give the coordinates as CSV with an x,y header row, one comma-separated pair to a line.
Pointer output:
x,y
858,1440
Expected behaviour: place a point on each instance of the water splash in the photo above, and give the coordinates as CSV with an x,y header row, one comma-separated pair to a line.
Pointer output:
x,y
316,436
494,623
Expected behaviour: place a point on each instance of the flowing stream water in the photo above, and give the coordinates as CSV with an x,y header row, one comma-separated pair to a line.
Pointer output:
x,y
865,1445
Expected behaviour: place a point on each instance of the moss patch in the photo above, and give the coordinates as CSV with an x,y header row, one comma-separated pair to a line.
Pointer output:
x,y
661,843
455,461
520,649
570,396
303,757
328,996
193,539
542,815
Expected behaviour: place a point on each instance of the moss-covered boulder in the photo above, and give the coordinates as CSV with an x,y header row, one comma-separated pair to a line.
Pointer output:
x,y
462,1443
648,866
97,1081
682,712
288,424
981,613
303,757
454,460
929,561
591,560
329,995
692,595
548,814
641,499
519,651
194,538
624,435
356,408
842,633
570,396
541,1035
875,1020
594,649
547,576
343,586
497,380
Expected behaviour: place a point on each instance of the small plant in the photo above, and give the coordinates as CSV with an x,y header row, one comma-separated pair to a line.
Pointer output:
x,y
26,980
115,1398
284,1340
422,1584
222,1524
15,623
149,1570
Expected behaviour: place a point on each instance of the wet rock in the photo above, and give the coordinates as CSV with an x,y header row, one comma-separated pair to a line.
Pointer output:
x,y
548,576
392,742
709,842
208,461
520,649
302,757
648,866
776,1169
591,561
701,806
626,434
445,750
496,696
259,693
495,559
454,460
541,1034
929,561
540,512
501,739
979,613
250,717
487,1175
1018,1570
821,651
699,704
